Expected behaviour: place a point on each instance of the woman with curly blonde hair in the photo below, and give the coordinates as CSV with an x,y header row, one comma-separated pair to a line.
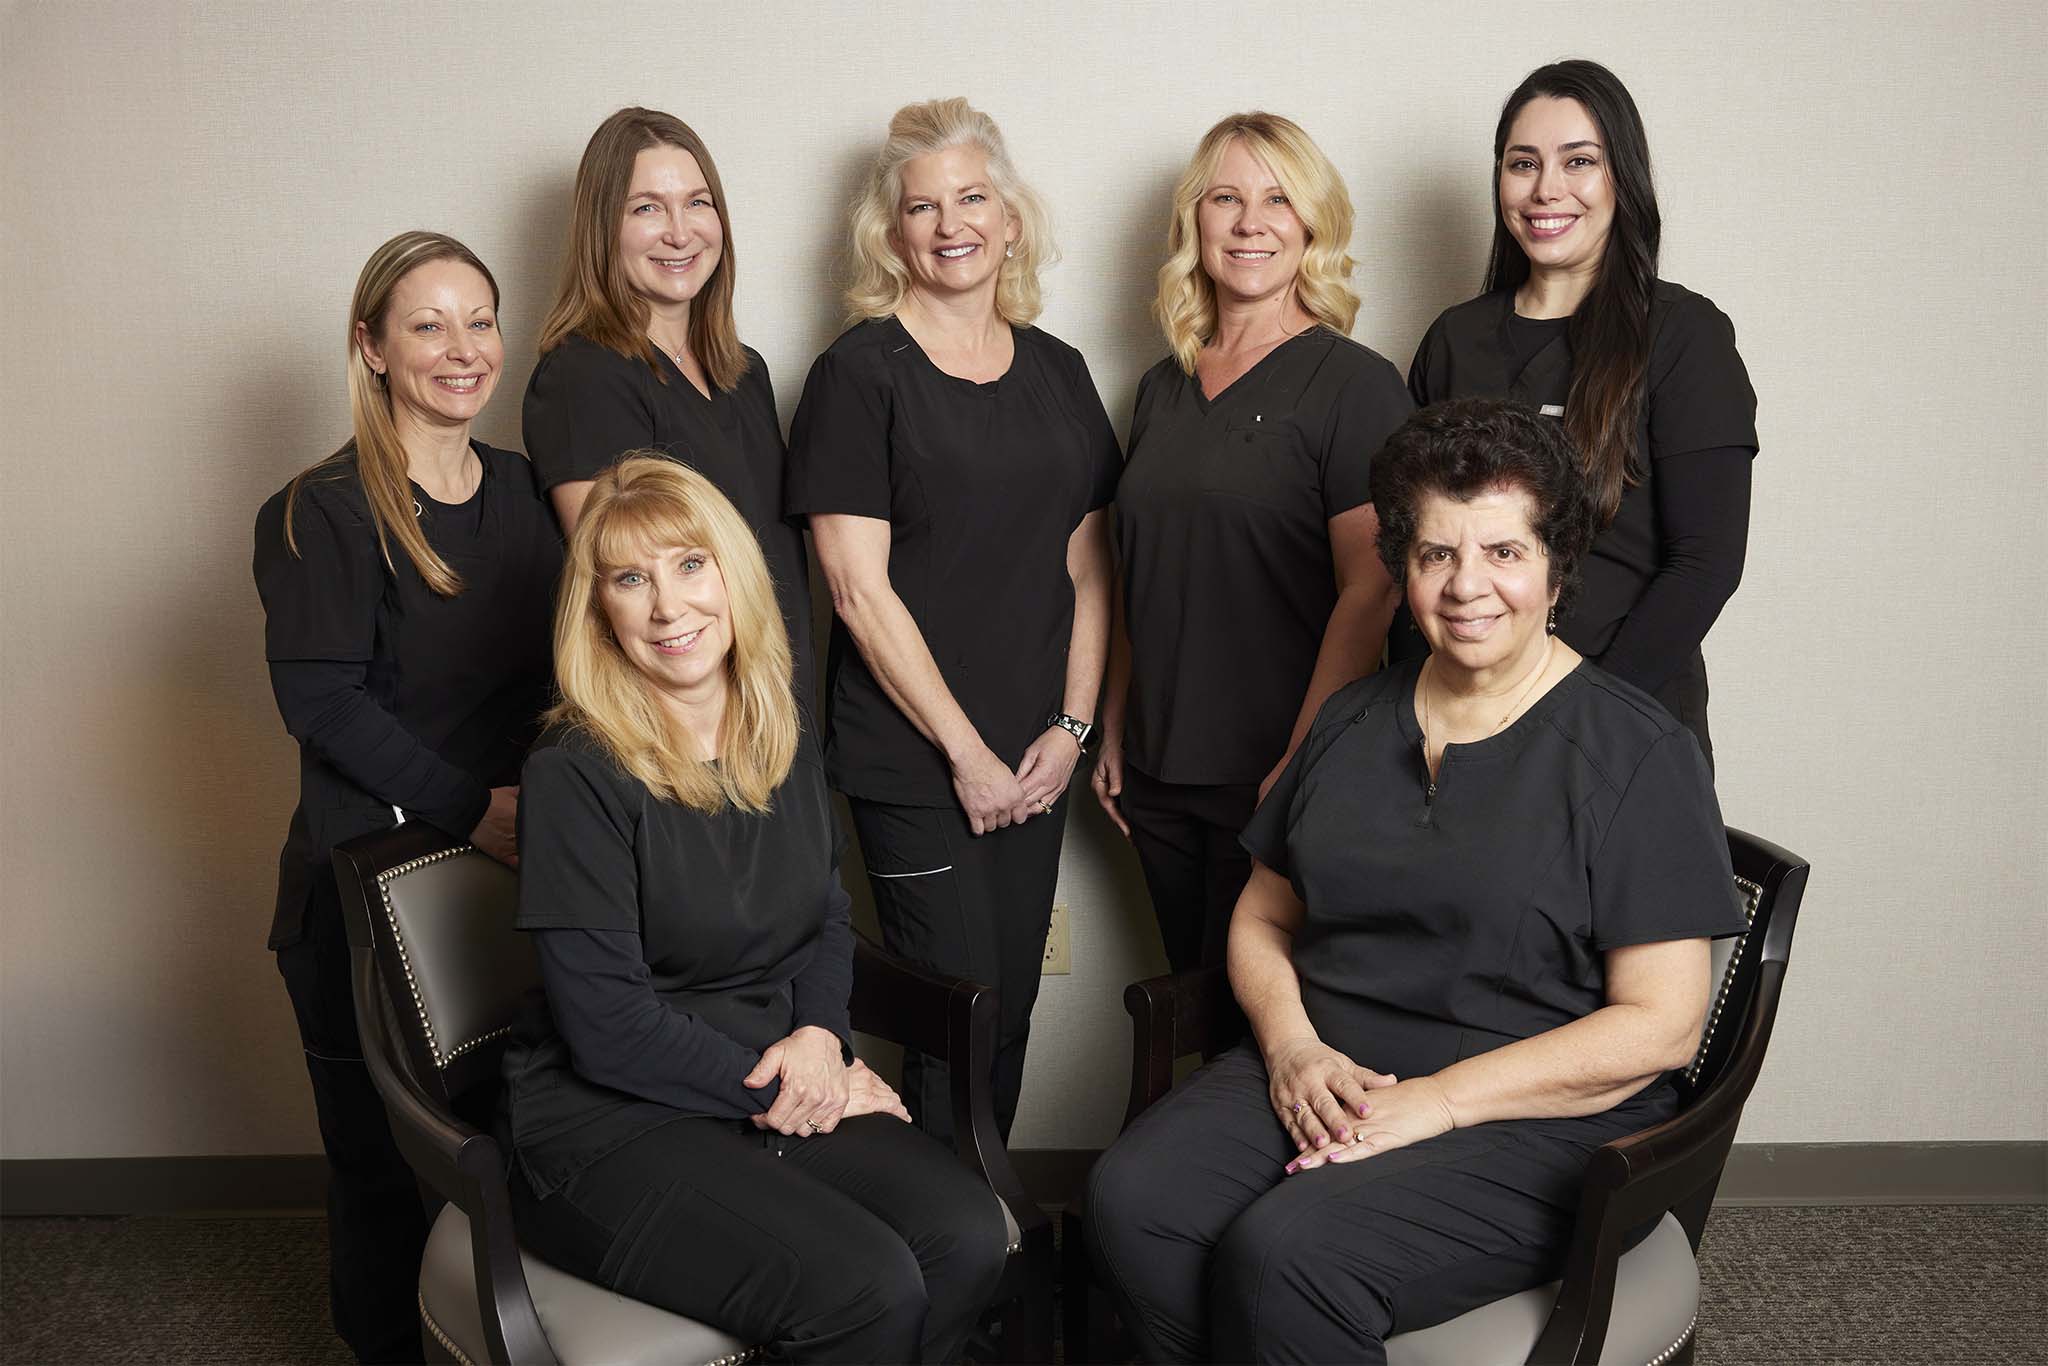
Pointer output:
x,y
688,1123
1245,528
955,463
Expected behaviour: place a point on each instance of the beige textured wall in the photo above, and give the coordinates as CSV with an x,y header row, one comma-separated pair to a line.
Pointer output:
x,y
190,189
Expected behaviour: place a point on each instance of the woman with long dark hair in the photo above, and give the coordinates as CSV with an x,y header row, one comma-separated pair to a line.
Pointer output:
x,y
1643,372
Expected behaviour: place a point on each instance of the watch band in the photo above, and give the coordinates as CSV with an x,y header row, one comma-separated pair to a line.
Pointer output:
x,y
1072,725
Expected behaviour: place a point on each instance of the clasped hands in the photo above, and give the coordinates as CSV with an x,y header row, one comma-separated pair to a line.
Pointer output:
x,y
1338,1111
818,1088
993,797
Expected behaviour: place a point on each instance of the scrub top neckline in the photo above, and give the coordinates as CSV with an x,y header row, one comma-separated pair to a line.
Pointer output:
x,y
483,464
670,361
985,388
1502,742
1209,405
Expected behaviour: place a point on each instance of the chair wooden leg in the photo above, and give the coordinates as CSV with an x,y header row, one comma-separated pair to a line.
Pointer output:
x,y
1077,1285
1027,1320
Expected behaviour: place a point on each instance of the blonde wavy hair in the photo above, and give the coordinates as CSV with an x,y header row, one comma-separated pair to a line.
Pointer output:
x,y
877,277
1186,305
646,502
380,460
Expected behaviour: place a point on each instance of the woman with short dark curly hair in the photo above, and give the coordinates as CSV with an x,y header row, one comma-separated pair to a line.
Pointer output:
x,y
1474,944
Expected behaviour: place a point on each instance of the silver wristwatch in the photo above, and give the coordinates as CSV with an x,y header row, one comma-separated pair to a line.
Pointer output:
x,y
1072,725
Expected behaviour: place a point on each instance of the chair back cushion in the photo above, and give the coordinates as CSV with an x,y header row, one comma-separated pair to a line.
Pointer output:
x,y
453,965
1735,968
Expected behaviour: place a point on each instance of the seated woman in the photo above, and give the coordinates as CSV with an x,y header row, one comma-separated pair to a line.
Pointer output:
x,y
688,1123
1474,943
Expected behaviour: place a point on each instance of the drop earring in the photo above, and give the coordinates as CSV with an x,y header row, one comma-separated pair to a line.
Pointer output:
x,y
1009,251
1550,627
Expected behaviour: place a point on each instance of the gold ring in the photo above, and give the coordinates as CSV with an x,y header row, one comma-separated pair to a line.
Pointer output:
x,y
815,1127
1046,807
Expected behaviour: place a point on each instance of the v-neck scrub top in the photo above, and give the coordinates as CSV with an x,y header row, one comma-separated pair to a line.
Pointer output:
x,y
1441,927
1223,540
398,696
982,485
587,405
1698,399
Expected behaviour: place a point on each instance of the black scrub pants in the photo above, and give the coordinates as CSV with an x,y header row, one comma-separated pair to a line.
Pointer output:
x,y
868,1244
1186,838
376,1224
974,906
1215,1254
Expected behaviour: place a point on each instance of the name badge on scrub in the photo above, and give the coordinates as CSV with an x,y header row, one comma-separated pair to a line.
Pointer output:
x,y
1552,410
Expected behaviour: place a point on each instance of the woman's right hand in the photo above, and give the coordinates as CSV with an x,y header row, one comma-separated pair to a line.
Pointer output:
x,y
868,1094
497,834
1318,1093
1108,779
988,792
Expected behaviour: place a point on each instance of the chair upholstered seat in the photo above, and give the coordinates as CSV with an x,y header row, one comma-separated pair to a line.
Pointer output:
x,y
1656,1303
585,1322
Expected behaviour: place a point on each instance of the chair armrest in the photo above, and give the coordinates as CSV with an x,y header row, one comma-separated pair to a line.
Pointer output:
x,y
1171,1017
953,1019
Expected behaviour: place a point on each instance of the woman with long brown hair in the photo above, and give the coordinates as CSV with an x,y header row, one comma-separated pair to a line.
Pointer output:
x,y
1643,373
406,581
640,350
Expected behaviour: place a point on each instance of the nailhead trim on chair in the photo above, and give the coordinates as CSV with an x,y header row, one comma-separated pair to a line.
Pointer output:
x,y
1673,1350
441,1337
441,1060
1751,895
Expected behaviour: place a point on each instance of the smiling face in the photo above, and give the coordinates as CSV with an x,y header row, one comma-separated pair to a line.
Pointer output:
x,y
669,612
670,239
951,228
1479,581
1251,238
438,346
1556,197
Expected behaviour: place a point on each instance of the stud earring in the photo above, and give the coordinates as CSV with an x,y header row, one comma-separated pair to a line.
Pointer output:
x,y
1009,252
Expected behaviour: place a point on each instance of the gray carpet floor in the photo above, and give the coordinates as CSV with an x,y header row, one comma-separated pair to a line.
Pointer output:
x,y
1877,1285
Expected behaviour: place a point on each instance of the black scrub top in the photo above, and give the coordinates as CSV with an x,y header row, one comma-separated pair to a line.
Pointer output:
x,y
587,405
1699,399
1441,928
438,698
1223,539
982,485
736,930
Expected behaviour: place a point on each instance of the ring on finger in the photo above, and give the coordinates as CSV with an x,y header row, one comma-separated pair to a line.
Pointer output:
x,y
1297,1107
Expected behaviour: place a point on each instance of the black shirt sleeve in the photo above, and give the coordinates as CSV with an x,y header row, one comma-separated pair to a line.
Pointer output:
x,y
839,442
320,603
1699,392
327,707
620,1034
1702,504
585,407
1661,870
1106,458
1265,838
1369,406
1422,384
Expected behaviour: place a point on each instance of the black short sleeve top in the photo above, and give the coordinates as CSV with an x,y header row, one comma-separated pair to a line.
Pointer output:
x,y
1698,398
1223,543
586,405
982,485
1440,928
730,908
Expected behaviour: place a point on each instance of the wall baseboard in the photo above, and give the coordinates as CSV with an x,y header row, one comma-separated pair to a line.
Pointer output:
x,y
1758,1174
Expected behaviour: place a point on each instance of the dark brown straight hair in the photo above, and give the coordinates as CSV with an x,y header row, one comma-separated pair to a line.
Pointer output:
x,y
1610,332
594,298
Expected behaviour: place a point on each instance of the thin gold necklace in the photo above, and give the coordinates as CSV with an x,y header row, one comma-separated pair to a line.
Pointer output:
x,y
1422,686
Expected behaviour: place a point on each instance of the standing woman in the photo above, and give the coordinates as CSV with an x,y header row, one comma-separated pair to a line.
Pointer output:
x,y
640,351
1644,373
954,462
1245,526
407,581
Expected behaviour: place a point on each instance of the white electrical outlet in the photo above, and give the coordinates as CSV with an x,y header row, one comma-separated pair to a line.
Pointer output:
x,y
1059,957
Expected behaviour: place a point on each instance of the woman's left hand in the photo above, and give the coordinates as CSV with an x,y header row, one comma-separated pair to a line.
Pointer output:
x,y
1404,1113
1043,775
813,1096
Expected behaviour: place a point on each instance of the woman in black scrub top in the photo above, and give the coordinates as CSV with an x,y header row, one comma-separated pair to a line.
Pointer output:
x,y
1245,524
1643,372
954,462
640,351
406,584
687,1121
1474,945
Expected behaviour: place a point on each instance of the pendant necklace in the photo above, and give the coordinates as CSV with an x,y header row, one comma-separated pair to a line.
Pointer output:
x,y
1422,687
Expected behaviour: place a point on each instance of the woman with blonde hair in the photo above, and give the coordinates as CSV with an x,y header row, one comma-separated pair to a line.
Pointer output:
x,y
688,1124
640,350
955,462
1250,585
405,583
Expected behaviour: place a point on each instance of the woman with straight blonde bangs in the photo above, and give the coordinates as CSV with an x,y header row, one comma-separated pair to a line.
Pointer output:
x,y
640,350
955,463
1251,586
688,1123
